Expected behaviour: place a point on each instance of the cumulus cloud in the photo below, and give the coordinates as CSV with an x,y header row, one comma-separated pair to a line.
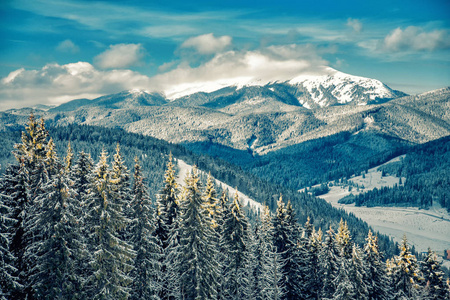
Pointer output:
x,y
55,84
240,67
207,43
355,24
416,38
120,56
68,46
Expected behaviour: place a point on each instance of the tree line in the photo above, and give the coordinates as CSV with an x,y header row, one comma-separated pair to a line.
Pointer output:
x,y
74,229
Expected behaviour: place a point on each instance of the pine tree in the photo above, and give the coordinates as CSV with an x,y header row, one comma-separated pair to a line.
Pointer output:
x,y
315,248
69,159
345,289
404,272
235,239
196,259
80,174
31,155
343,240
330,263
375,279
167,204
8,281
146,272
433,276
112,257
166,231
266,263
60,251
358,273
120,181
211,201
286,242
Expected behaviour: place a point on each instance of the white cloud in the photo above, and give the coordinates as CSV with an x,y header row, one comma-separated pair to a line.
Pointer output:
x,y
55,84
355,24
120,56
416,38
68,46
207,43
232,67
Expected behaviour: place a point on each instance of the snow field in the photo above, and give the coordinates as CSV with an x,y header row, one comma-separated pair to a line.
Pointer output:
x,y
423,228
184,168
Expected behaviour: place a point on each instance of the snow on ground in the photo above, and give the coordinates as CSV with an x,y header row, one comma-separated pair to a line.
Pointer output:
x,y
423,228
374,179
184,168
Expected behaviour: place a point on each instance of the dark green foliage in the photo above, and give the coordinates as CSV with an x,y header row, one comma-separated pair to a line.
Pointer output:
x,y
426,169
146,273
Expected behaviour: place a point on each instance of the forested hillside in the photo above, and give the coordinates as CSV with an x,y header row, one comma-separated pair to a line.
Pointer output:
x,y
77,228
153,154
427,171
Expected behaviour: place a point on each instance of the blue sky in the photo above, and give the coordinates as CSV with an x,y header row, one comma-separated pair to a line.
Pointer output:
x,y
52,51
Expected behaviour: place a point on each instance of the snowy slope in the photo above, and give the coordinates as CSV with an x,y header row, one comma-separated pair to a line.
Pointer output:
x,y
184,168
343,88
331,88
423,228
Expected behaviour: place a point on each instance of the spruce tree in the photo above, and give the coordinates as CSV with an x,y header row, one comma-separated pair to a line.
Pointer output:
x,y
61,249
358,273
330,263
266,263
167,204
8,281
146,273
315,248
234,242
196,258
80,175
286,241
112,257
166,228
404,272
375,278
33,174
69,159
433,276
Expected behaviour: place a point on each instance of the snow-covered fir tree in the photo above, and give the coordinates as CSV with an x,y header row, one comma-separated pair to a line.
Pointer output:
x,y
404,273
31,154
8,280
286,236
80,174
330,263
235,244
196,258
375,278
146,273
166,231
315,248
57,274
265,276
433,277
112,258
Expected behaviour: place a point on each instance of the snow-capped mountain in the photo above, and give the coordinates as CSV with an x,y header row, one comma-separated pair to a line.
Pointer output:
x,y
309,91
247,95
340,88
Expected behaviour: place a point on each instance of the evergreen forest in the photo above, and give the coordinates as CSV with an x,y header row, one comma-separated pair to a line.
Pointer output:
x,y
86,225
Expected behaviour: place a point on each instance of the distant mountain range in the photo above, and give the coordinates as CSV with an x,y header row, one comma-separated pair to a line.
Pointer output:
x,y
358,117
